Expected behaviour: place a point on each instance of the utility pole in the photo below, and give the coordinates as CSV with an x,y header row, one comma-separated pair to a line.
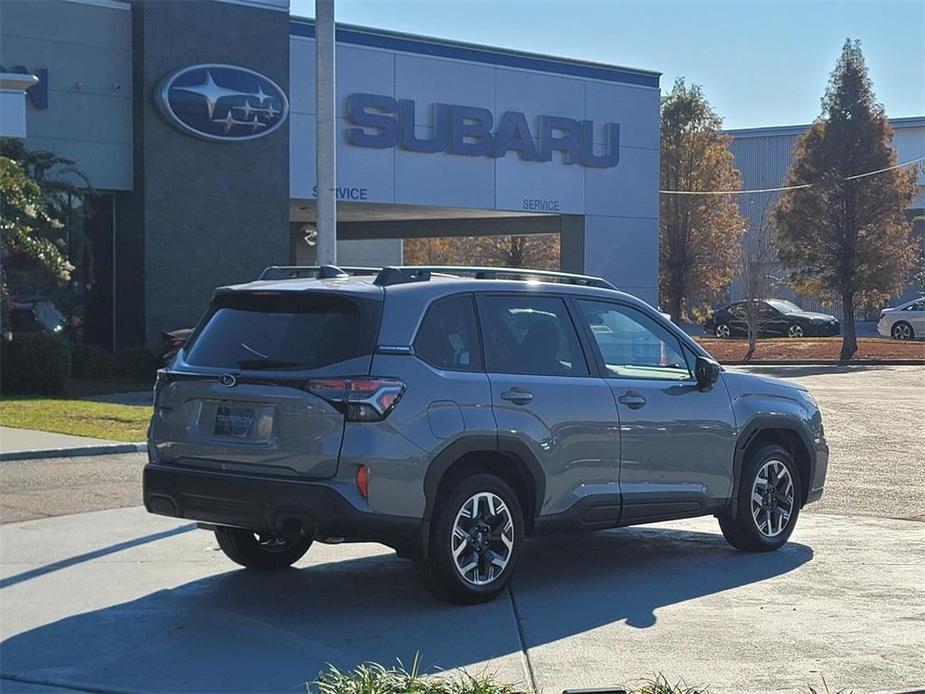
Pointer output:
x,y
325,135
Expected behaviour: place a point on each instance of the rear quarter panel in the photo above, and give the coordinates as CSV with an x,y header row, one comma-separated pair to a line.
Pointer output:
x,y
437,408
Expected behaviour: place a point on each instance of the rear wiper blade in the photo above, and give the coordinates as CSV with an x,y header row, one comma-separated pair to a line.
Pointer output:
x,y
258,364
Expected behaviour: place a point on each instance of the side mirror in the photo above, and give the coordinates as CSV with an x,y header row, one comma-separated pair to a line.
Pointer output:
x,y
706,371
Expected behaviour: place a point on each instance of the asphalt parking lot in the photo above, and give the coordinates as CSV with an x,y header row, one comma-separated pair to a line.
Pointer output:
x,y
117,600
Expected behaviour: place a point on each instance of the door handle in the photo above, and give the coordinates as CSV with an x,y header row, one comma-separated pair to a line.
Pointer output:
x,y
518,396
632,399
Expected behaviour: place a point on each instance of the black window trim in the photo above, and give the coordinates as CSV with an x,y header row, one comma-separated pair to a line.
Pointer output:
x,y
569,310
478,333
599,357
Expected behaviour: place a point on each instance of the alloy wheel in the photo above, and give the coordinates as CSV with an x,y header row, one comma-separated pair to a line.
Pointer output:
x,y
772,498
722,330
902,331
795,331
483,538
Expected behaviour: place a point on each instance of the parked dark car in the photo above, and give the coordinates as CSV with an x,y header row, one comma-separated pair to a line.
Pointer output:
x,y
173,340
35,315
777,318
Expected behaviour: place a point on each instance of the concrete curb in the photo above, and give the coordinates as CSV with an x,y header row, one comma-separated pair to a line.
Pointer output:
x,y
100,449
820,362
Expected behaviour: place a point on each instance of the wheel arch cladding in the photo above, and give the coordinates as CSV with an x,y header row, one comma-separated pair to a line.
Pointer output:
x,y
481,454
788,438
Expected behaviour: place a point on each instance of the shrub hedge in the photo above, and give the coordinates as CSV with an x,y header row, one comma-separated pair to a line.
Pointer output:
x,y
40,363
35,363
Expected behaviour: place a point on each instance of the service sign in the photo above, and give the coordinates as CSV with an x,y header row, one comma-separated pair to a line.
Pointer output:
x,y
220,102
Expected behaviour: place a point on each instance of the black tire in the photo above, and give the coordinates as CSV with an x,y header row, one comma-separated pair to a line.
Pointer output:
x,y
439,572
899,331
796,331
743,531
244,548
722,331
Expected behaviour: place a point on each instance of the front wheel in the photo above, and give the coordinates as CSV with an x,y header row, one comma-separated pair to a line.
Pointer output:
x,y
768,502
902,331
476,539
259,551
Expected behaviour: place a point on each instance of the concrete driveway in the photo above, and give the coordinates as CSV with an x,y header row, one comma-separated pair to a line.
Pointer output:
x,y
123,601
117,600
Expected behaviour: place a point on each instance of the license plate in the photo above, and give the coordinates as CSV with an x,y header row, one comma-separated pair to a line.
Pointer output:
x,y
233,421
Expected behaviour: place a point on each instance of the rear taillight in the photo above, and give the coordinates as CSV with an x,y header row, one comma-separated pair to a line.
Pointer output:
x,y
363,481
359,398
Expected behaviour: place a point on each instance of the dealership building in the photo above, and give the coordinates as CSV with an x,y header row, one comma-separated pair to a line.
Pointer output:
x,y
195,122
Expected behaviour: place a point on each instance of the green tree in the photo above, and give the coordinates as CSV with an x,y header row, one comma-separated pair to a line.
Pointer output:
x,y
698,234
918,238
847,236
43,203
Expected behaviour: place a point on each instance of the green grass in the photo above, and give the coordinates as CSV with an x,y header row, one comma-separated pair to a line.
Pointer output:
x,y
373,678
77,417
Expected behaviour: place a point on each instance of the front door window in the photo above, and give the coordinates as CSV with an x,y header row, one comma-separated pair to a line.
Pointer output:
x,y
634,345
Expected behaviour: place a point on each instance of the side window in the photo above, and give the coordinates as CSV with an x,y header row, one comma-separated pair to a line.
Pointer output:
x,y
448,337
530,335
737,310
634,345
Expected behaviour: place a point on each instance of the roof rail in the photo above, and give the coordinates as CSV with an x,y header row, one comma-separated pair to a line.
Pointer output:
x,y
422,273
402,274
289,272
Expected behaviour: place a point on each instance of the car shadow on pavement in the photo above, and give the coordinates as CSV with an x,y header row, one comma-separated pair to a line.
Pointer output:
x,y
271,631
95,554
810,370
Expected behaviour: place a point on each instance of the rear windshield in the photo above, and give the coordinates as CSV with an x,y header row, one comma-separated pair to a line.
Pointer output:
x,y
283,331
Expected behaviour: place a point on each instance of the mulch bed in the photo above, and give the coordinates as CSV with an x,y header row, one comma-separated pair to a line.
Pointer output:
x,y
822,349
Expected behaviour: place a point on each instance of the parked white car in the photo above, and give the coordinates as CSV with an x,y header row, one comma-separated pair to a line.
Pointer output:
x,y
904,322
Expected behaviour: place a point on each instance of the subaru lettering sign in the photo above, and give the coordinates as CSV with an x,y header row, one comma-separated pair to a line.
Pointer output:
x,y
386,122
222,102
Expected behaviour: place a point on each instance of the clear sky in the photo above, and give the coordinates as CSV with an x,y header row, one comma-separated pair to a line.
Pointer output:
x,y
759,62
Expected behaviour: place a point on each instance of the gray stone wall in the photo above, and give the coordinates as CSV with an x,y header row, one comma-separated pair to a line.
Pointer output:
x,y
213,213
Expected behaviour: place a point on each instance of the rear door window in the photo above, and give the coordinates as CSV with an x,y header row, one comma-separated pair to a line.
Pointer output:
x,y
530,335
449,336
279,330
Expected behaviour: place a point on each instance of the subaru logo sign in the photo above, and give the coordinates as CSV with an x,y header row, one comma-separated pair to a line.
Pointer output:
x,y
222,102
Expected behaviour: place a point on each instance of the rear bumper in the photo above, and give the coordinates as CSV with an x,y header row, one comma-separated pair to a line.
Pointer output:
x,y
266,504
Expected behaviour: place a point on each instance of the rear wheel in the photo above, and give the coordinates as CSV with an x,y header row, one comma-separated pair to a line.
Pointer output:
x,y
722,330
475,542
902,331
768,503
795,331
259,551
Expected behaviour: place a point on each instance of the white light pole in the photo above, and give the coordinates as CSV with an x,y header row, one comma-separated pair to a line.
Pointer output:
x,y
325,135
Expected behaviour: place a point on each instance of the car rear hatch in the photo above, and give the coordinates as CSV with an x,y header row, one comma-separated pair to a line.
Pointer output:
x,y
239,396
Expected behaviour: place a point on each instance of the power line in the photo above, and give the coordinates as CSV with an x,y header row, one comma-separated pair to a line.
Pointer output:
x,y
784,188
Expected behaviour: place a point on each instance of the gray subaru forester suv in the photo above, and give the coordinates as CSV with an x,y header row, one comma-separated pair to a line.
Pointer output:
x,y
450,413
